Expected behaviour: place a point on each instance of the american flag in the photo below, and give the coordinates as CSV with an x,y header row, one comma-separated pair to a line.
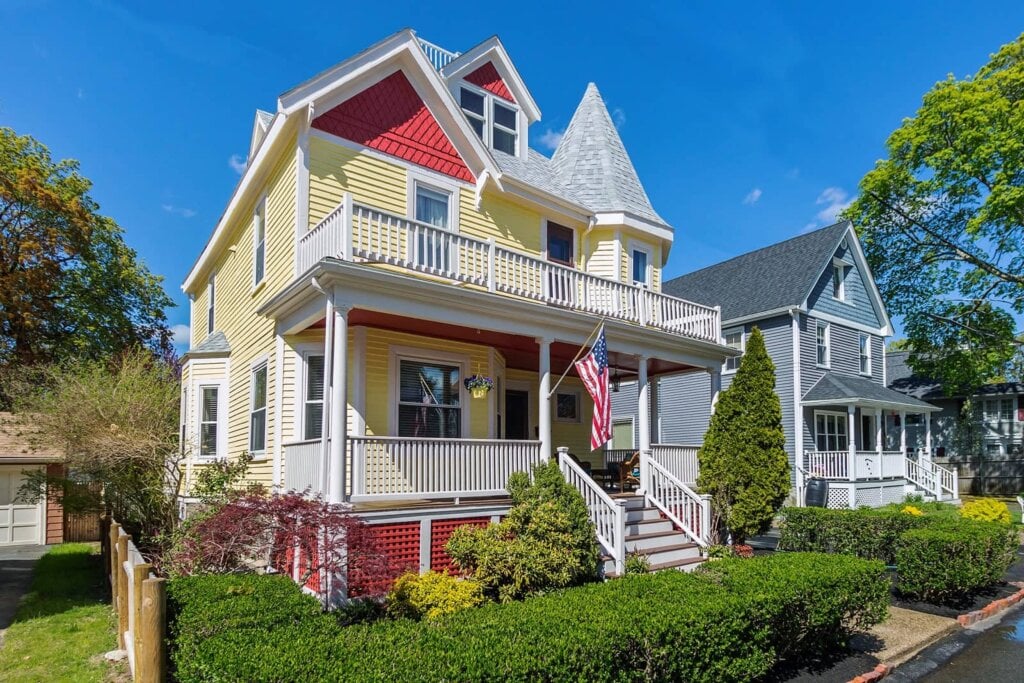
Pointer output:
x,y
593,370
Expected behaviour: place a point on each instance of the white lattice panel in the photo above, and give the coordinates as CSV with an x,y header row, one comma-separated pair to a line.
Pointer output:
x,y
838,498
893,494
871,497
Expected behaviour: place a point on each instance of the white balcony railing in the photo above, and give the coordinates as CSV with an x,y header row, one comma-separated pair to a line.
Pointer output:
x,y
437,55
680,461
397,468
357,232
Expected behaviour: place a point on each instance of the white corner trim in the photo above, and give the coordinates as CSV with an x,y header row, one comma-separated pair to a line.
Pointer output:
x,y
798,416
278,410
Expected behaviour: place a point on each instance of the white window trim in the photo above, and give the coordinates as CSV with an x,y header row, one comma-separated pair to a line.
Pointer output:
x,y
844,417
635,246
437,183
261,206
211,312
870,364
399,353
841,266
632,430
300,412
489,100
828,343
743,348
579,406
197,413
264,363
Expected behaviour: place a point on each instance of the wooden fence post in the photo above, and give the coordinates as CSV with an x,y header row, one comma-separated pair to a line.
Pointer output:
x,y
140,573
122,589
115,531
150,663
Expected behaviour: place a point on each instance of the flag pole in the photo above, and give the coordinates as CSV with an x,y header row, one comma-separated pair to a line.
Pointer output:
x,y
579,354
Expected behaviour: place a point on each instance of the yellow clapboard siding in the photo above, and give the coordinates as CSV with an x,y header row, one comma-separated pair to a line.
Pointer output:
x,y
335,169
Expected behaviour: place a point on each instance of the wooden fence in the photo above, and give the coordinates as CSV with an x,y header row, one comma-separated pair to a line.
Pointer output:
x,y
139,598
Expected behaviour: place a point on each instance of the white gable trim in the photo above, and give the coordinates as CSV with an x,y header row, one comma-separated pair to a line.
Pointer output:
x,y
492,50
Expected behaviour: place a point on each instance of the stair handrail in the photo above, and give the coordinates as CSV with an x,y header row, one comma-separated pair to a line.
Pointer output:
x,y
670,495
919,475
606,514
945,478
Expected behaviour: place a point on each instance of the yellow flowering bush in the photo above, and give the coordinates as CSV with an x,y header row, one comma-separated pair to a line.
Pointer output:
x,y
986,510
911,510
432,595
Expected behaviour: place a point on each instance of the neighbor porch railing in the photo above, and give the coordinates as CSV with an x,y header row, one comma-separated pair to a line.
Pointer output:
x,y
607,515
872,465
358,232
397,468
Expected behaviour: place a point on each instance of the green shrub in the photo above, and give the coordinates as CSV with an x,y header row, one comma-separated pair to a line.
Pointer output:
x,y
869,534
948,560
545,542
986,510
731,623
637,563
432,595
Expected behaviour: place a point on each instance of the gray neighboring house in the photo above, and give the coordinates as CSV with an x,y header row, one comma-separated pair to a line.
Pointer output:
x,y
824,325
985,444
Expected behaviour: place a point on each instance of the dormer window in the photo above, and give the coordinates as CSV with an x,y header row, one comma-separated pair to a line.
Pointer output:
x,y
494,120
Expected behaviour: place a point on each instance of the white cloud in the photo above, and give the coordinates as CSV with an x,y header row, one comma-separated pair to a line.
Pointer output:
x,y
752,196
178,210
550,138
835,200
81,93
237,163
180,335
618,117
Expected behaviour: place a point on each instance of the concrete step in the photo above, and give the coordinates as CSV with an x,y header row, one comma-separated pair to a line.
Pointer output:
x,y
648,526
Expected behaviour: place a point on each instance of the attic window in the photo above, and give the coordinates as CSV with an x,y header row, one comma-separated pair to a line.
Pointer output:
x,y
495,122
839,281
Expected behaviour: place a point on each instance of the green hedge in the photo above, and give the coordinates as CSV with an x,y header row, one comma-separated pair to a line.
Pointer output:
x,y
937,556
732,622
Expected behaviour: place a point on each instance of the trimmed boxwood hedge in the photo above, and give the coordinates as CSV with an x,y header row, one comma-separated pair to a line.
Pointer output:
x,y
937,557
733,621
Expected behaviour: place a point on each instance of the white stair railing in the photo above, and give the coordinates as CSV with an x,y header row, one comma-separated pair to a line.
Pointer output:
x,y
607,515
921,475
680,460
688,510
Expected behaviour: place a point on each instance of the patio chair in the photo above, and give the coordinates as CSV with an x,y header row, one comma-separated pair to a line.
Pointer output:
x,y
629,472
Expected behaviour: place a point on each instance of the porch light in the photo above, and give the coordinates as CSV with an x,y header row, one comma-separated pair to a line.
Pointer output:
x,y
615,380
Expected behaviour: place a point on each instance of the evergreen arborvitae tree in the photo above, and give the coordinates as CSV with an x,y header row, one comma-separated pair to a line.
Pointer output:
x,y
743,461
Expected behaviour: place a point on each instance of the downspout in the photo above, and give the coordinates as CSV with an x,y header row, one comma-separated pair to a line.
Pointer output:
x,y
798,413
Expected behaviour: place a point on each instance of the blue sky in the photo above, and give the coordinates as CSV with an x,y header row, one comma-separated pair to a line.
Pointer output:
x,y
747,125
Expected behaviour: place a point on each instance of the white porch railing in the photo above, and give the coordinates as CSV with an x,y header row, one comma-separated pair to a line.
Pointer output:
x,y
607,515
688,510
827,464
302,466
934,479
355,231
397,468
921,475
680,461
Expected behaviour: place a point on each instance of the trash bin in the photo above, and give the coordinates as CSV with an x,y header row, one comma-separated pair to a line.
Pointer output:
x,y
817,493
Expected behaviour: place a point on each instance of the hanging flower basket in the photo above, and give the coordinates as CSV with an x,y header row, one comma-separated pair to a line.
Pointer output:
x,y
479,385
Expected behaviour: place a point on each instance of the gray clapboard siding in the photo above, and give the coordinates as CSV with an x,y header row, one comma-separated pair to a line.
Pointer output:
x,y
684,407
856,305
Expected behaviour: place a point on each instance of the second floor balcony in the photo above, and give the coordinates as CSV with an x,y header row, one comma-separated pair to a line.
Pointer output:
x,y
361,233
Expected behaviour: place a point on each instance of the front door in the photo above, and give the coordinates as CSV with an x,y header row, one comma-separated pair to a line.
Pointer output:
x,y
517,414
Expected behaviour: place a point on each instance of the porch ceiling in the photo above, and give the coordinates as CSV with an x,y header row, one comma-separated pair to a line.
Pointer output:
x,y
520,351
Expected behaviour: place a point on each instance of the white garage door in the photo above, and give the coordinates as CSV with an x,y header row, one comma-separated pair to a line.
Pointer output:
x,y
19,522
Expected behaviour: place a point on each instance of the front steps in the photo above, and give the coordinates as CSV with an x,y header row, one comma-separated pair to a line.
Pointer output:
x,y
929,497
650,534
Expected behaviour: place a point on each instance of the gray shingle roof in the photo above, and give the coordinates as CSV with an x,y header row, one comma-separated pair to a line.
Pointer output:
x,y
592,160
901,378
767,279
215,343
535,170
845,388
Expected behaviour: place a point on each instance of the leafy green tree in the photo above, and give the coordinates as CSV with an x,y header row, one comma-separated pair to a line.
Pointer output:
x,y
69,285
942,223
743,461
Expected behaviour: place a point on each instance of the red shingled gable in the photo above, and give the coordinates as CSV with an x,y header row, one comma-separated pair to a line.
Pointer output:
x,y
487,78
391,118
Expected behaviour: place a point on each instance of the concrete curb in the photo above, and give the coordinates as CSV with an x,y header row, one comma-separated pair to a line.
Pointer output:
x,y
993,608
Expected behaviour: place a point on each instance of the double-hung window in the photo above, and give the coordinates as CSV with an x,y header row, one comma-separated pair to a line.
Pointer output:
x,y
822,343
429,399
258,410
864,346
734,340
259,238
830,431
494,120
209,421
211,291
433,247
640,260
313,398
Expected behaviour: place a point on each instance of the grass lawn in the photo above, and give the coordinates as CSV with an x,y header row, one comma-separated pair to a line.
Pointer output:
x,y
65,623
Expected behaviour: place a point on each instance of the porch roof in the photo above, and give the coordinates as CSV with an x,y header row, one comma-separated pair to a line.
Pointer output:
x,y
836,389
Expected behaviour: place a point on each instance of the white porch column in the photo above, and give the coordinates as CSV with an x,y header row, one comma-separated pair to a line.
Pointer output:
x,y
851,427
655,392
927,437
879,437
325,423
644,407
339,405
716,387
544,407
903,433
